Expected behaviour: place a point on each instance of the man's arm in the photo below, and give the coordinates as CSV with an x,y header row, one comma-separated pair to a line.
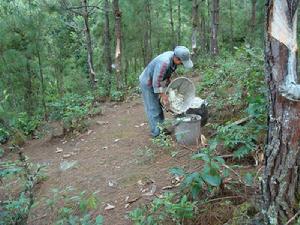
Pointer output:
x,y
159,72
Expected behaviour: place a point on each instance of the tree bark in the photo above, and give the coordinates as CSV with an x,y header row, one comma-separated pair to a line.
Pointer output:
x,y
28,94
42,83
85,15
173,41
118,37
202,29
281,178
214,50
107,44
231,24
179,22
147,33
253,15
195,26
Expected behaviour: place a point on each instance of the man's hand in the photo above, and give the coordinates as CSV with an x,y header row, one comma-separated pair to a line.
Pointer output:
x,y
164,99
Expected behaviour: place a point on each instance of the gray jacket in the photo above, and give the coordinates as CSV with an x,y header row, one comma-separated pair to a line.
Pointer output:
x,y
158,72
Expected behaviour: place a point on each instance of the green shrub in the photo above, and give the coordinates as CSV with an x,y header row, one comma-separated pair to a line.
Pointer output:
x,y
164,209
72,110
69,203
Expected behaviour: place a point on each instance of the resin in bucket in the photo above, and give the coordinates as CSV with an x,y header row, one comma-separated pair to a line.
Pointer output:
x,y
188,129
181,93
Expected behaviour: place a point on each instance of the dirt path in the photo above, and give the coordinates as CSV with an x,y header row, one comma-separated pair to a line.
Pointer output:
x,y
113,157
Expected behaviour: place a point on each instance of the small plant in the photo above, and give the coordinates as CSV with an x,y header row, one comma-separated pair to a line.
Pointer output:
x,y
163,210
145,155
72,110
70,208
19,197
210,176
162,140
117,96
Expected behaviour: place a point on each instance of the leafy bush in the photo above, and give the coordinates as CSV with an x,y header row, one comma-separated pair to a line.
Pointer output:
x,y
25,123
210,176
18,178
117,96
235,83
69,203
164,209
71,109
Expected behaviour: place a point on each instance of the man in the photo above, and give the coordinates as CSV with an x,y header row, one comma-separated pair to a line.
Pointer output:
x,y
155,78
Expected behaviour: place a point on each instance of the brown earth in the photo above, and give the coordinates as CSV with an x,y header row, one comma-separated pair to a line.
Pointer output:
x,y
115,158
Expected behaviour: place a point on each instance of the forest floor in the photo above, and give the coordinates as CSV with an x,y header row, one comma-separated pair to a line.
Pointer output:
x,y
115,158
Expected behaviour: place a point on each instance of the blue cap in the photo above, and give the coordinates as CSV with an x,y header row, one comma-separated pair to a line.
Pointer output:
x,y
183,54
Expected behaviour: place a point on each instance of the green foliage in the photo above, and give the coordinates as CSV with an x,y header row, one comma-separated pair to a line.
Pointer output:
x,y
210,176
244,69
69,202
164,209
18,180
145,155
72,109
162,140
117,95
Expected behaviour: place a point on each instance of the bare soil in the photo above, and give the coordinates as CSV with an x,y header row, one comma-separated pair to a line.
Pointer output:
x,y
112,160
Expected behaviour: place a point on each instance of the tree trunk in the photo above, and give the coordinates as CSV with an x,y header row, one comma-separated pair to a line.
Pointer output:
x,y
179,23
253,15
118,37
231,25
28,94
252,22
214,50
85,15
195,26
107,45
173,41
202,30
42,83
281,179
147,33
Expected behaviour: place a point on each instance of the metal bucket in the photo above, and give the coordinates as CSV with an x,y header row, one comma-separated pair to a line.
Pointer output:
x,y
188,129
181,92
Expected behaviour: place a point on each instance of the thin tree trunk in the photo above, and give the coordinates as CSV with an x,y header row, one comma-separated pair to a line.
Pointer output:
x,y
147,33
42,83
202,29
214,50
85,15
173,41
59,78
253,21
28,93
231,24
281,179
208,27
179,23
195,26
118,37
107,45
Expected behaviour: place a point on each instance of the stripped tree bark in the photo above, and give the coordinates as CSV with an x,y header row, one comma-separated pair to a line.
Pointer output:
x,y
118,38
214,50
281,179
195,26
84,11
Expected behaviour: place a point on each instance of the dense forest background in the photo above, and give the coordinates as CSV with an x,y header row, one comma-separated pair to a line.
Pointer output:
x,y
46,47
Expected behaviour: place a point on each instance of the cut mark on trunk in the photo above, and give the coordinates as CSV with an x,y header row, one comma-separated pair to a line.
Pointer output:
x,y
286,33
